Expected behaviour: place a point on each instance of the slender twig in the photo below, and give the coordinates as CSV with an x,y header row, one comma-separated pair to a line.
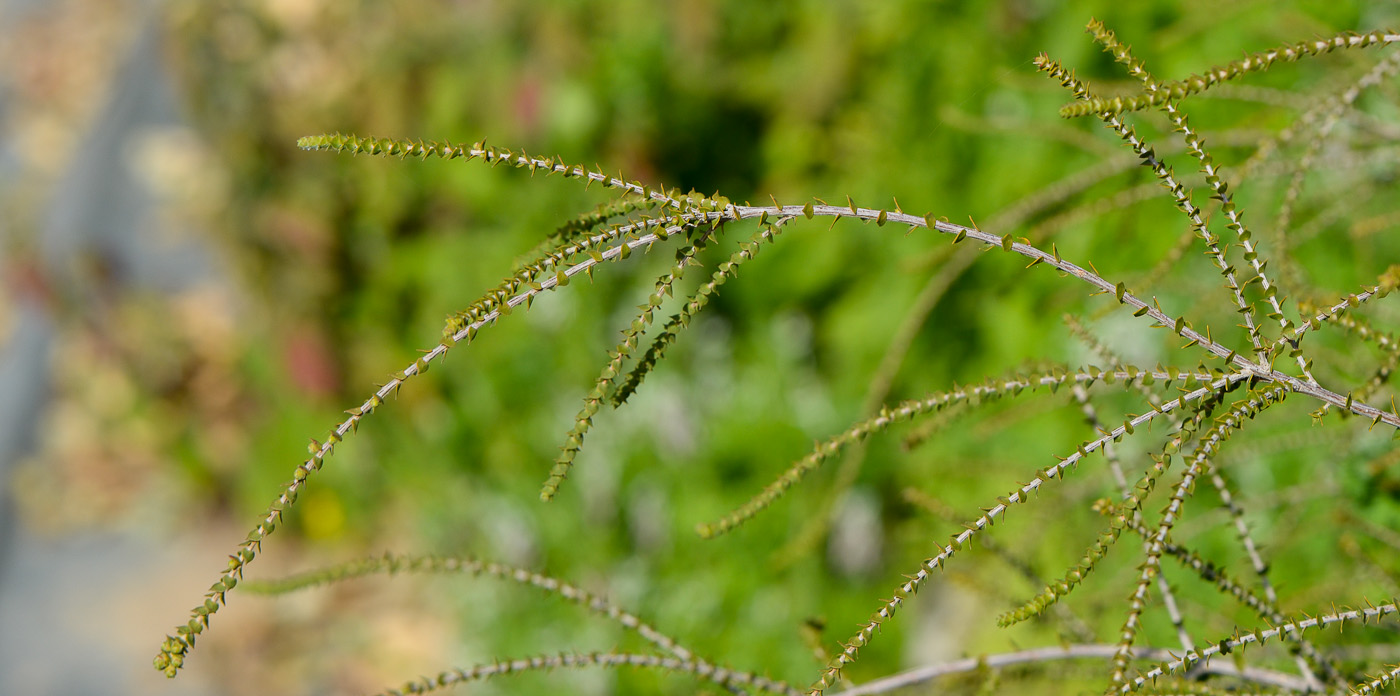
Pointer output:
x,y
921,675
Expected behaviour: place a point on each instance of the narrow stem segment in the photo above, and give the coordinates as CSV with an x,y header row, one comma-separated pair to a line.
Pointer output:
x,y
1253,63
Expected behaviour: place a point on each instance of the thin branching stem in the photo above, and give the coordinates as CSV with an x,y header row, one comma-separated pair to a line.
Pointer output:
x,y
989,517
1263,60
391,564
645,215
1265,607
174,649
704,671
1199,463
915,408
921,675
1177,325
1225,646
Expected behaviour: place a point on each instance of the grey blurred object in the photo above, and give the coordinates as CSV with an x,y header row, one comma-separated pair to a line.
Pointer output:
x,y
59,634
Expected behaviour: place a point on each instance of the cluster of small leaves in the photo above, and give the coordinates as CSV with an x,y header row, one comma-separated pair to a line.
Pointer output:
x,y
577,227
1199,463
646,215
686,212
573,441
728,269
1380,682
1132,504
1180,194
552,266
1213,174
1208,444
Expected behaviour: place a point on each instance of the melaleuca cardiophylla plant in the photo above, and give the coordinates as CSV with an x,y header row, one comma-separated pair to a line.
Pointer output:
x,y
1259,340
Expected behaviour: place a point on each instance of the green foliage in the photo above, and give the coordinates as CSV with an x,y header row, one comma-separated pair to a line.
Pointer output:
x,y
1166,410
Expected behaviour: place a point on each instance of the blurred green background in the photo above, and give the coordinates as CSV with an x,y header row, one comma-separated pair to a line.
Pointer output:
x,y
176,412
